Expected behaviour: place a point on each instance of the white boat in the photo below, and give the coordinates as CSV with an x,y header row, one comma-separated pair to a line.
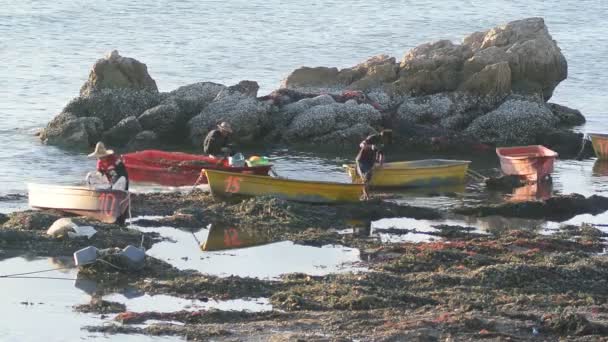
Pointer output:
x,y
104,205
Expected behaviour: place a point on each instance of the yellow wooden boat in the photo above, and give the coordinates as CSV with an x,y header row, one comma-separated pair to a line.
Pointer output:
x,y
416,173
224,183
600,145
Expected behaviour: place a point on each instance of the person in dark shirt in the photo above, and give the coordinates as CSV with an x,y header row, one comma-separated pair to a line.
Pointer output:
x,y
217,141
370,153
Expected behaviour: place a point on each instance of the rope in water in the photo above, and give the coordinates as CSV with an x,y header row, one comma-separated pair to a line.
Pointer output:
x,y
35,272
50,278
20,275
476,175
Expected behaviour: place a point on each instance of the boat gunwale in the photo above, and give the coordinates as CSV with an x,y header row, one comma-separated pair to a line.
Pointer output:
x,y
598,135
440,166
289,180
499,152
72,187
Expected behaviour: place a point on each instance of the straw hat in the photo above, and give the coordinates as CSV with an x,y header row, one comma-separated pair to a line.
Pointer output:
x,y
224,126
100,151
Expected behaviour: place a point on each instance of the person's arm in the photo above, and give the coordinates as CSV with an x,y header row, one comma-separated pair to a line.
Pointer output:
x,y
380,157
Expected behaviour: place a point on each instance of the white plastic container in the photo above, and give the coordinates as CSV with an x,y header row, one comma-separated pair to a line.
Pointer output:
x,y
85,256
237,160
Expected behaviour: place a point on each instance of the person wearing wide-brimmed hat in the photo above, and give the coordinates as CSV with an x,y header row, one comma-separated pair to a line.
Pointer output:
x,y
217,141
111,166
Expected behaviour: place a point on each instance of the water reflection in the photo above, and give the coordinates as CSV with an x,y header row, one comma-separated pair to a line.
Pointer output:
x,y
541,190
600,168
223,237
182,250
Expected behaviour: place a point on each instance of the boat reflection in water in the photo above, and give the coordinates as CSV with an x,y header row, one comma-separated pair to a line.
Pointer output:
x,y
223,237
536,191
600,168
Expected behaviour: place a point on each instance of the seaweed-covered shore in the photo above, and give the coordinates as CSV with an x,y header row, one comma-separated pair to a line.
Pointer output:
x,y
459,285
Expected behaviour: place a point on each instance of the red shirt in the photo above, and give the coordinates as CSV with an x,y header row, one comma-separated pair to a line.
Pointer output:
x,y
106,164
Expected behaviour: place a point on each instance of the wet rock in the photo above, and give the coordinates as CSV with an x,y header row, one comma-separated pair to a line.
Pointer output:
x,y
347,292
143,140
12,197
117,72
194,286
122,132
3,218
571,323
114,271
504,183
248,116
518,120
100,306
568,144
192,332
69,131
112,105
30,220
162,119
371,74
558,208
333,122
193,98
567,116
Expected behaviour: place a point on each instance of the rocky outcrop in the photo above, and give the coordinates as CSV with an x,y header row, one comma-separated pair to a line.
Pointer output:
x,y
520,55
162,119
491,89
117,72
122,132
518,120
323,120
238,105
69,131
371,74
567,116
193,98
144,140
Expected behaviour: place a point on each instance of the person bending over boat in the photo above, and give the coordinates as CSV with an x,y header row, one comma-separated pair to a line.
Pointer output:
x,y
111,166
370,153
217,142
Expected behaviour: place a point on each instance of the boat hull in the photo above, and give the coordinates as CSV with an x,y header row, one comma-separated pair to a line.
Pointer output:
x,y
224,184
419,173
530,162
177,168
600,145
103,205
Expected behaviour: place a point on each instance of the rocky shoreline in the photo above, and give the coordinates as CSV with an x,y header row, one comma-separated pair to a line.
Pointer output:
x,y
490,90
514,285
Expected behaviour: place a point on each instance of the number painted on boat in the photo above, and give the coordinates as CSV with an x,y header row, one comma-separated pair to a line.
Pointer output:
x,y
233,184
231,238
107,203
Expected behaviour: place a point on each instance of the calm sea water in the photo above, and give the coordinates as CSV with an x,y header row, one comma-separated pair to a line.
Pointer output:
x,y
48,47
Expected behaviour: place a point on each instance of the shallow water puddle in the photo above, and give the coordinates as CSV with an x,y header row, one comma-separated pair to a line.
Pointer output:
x,y
270,260
414,230
165,303
41,309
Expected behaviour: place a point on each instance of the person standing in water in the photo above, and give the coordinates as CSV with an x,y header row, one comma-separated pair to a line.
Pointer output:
x,y
370,153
